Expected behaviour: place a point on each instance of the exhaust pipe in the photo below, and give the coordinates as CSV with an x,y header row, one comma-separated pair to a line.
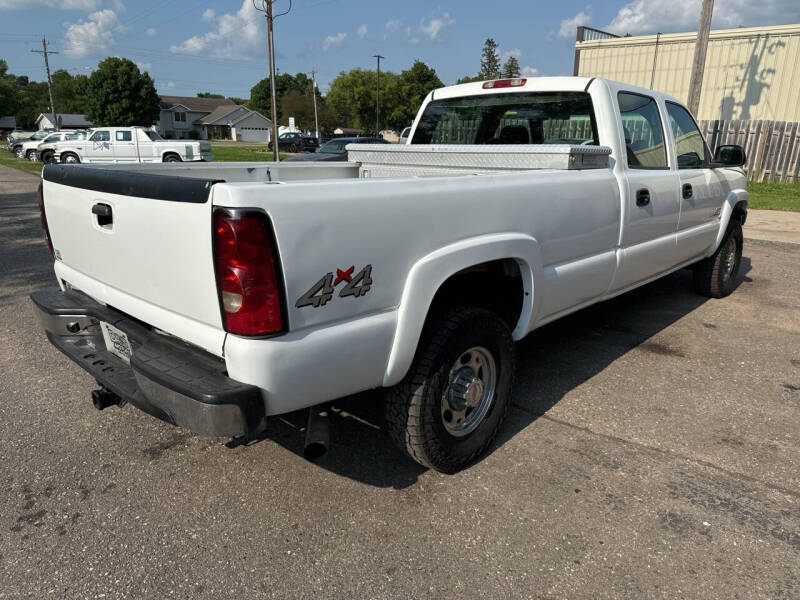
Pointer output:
x,y
318,432
103,398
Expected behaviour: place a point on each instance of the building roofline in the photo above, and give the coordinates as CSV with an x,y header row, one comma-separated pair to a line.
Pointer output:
x,y
715,34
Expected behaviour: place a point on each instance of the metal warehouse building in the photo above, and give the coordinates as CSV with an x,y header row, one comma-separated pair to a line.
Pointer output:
x,y
751,73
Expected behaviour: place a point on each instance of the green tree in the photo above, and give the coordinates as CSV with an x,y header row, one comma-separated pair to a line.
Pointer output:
x,y
209,95
511,68
490,60
284,83
352,96
69,93
9,94
469,79
407,93
240,101
301,107
117,93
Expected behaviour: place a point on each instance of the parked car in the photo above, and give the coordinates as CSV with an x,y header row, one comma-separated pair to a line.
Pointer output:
x,y
129,145
16,146
296,142
404,136
45,150
335,149
222,295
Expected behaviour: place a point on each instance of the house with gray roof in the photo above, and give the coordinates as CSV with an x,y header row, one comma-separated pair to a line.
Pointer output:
x,y
65,121
211,119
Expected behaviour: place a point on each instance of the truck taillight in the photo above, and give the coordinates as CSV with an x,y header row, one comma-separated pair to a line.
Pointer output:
x,y
247,274
504,83
45,228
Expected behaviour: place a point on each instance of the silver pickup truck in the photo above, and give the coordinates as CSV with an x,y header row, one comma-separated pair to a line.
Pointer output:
x,y
213,296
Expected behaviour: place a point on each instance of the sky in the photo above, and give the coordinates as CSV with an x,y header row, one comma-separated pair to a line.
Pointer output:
x,y
219,46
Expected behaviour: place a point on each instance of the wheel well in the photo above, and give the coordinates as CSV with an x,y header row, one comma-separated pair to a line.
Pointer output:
x,y
740,212
495,286
168,154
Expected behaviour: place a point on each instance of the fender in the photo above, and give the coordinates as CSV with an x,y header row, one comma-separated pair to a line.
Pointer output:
x,y
734,197
431,271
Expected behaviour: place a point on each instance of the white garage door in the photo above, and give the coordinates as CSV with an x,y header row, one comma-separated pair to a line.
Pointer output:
x,y
251,134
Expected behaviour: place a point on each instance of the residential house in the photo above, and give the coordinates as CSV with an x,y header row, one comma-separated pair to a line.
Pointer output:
x,y
7,124
211,118
65,121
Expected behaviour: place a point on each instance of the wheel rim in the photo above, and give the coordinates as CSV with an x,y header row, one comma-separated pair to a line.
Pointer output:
x,y
470,391
70,159
728,259
20,153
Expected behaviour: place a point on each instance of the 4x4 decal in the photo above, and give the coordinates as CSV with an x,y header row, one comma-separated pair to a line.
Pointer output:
x,y
322,292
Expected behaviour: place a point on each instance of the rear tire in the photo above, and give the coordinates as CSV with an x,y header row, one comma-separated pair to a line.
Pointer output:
x,y
293,149
451,403
716,275
171,158
18,152
31,155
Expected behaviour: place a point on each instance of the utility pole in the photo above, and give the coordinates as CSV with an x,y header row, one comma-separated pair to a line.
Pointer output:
x,y
699,61
314,96
273,107
378,97
44,51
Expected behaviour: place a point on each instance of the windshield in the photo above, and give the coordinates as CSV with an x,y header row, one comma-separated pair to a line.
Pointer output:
x,y
40,135
511,118
154,137
334,147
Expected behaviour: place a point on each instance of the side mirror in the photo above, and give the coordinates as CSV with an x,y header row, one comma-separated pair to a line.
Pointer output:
x,y
730,156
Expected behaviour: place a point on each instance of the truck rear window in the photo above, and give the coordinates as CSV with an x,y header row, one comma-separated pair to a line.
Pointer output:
x,y
511,118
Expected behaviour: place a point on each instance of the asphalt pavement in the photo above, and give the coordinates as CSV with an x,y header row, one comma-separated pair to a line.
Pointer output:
x,y
652,451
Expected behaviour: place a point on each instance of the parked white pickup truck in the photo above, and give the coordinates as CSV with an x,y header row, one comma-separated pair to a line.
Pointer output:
x,y
130,145
213,296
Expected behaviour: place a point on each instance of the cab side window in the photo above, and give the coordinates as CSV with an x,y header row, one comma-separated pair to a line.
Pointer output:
x,y
123,136
689,143
101,136
644,135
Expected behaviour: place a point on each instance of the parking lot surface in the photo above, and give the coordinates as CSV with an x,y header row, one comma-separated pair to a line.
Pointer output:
x,y
652,451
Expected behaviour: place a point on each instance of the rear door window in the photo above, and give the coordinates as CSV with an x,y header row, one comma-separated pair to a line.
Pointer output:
x,y
510,118
123,136
644,135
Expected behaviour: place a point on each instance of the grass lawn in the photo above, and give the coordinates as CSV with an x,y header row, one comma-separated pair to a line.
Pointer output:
x,y
774,196
243,153
9,160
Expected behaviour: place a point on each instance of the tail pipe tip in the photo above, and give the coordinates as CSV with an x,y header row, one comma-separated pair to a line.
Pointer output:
x,y
318,432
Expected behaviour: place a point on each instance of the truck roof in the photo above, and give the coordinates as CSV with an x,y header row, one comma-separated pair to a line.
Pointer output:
x,y
541,84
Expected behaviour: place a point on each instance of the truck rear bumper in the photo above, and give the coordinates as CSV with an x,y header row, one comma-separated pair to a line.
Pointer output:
x,y
166,378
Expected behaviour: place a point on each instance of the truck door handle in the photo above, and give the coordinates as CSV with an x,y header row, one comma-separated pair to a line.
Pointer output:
x,y
642,197
687,191
104,214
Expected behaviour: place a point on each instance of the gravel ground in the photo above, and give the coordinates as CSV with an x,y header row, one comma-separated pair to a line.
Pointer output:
x,y
652,451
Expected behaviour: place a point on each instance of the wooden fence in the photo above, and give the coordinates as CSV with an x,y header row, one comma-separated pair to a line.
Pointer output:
x,y
772,147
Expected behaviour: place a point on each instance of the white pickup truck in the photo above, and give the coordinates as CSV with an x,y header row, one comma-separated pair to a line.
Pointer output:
x,y
214,296
130,145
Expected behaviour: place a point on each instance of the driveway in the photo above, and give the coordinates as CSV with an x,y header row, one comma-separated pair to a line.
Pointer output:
x,y
652,451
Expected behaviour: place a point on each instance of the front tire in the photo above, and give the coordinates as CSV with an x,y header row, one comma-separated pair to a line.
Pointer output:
x,y
451,403
716,275
70,159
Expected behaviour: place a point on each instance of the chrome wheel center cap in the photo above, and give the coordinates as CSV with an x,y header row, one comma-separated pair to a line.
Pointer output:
x,y
466,389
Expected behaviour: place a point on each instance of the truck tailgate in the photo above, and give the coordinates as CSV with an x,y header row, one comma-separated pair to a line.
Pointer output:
x,y
151,257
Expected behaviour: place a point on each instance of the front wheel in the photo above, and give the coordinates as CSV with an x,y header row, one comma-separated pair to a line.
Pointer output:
x,y
70,159
450,405
47,157
716,275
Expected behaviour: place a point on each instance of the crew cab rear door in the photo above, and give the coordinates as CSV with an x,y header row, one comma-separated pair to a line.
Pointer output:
x,y
139,242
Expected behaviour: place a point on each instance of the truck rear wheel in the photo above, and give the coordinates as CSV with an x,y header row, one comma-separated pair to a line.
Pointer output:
x,y
451,403
716,275
171,158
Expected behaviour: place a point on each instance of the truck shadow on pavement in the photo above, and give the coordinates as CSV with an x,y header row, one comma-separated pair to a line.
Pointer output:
x,y
552,361
25,263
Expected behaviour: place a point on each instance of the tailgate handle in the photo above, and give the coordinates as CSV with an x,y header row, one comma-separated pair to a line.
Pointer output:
x,y
104,215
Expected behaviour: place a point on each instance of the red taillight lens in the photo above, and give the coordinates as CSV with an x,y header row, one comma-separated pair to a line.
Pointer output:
x,y
504,83
40,201
249,289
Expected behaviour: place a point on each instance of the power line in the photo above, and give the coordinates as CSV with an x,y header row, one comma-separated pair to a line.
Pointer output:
x,y
45,52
